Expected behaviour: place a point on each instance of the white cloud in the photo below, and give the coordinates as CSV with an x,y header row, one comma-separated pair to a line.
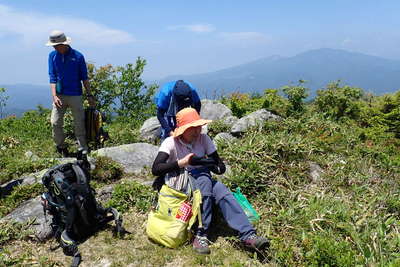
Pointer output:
x,y
198,28
347,42
35,27
245,37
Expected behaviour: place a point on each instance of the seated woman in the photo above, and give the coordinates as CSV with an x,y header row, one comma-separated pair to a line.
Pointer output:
x,y
177,152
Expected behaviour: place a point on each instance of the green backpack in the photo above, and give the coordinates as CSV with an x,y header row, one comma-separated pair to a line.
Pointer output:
x,y
167,224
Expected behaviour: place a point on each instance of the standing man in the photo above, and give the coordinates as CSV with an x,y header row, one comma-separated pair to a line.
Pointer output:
x,y
67,72
173,97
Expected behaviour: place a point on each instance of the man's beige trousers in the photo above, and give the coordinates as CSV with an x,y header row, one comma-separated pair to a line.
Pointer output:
x,y
78,114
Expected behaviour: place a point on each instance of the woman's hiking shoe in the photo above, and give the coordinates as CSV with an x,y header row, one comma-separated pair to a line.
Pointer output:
x,y
256,242
200,245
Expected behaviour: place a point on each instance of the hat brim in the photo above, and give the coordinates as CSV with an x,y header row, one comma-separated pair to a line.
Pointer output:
x,y
180,130
67,42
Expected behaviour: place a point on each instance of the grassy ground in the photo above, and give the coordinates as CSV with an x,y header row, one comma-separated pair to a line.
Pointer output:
x,y
135,249
350,216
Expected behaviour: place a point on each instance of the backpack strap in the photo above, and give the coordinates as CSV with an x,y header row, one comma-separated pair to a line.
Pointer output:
x,y
80,174
193,191
119,229
70,248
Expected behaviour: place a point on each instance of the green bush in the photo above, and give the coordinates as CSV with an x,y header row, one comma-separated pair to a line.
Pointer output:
x,y
338,102
322,250
106,170
216,127
14,231
296,96
121,90
131,194
31,132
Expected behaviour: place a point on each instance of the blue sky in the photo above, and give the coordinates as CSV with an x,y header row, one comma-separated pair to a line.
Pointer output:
x,y
186,37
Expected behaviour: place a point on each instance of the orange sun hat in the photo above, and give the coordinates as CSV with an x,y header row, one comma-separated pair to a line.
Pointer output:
x,y
186,118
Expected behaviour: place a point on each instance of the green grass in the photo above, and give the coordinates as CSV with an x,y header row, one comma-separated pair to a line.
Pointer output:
x,y
19,195
349,217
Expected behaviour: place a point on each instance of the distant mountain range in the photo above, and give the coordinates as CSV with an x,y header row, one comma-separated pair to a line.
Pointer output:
x,y
317,67
23,97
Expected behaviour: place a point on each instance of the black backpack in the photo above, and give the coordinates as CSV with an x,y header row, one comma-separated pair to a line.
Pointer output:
x,y
71,201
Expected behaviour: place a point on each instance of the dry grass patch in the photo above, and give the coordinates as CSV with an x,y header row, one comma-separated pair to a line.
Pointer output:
x,y
135,249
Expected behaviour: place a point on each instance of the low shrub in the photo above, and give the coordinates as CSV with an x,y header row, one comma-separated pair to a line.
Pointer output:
x,y
106,170
131,194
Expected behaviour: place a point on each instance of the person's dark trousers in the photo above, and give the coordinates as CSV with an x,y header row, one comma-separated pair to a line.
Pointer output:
x,y
216,192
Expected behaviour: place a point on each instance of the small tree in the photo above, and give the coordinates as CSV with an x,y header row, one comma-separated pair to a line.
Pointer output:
x,y
338,102
135,98
296,95
103,86
3,101
121,90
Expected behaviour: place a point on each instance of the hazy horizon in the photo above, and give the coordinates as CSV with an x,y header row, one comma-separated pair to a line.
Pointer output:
x,y
182,38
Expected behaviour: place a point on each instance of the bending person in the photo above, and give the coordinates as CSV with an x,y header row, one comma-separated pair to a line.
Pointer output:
x,y
177,152
173,97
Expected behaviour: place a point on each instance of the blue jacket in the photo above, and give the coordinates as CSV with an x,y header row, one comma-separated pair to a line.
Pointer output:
x,y
166,108
69,70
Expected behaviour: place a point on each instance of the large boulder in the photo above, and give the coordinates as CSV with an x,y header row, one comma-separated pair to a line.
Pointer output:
x,y
213,110
133,157
32,210
255,118
150,130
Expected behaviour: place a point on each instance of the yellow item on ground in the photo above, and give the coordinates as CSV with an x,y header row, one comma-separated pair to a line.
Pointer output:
x,y
162,225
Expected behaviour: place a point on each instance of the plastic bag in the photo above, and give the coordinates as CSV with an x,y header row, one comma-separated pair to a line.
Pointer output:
x,y
246,206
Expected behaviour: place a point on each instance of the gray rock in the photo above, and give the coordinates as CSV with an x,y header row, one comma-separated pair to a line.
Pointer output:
x,y
32,210
133,157
105,193
315,172
33,178
255,118
224,137
213,110
230,120
150,130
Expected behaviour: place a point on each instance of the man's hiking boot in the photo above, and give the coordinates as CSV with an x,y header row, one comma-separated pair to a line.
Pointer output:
x,y
256,242
63,151
200,245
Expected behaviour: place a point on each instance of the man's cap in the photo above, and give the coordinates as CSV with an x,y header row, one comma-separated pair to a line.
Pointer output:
x,y
186,118
57,37
183,94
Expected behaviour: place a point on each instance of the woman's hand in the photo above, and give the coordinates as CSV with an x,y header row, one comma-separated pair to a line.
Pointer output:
x,y
184,162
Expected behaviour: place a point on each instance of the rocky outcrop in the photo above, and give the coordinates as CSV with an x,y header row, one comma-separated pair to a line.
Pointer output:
x,y
32,210
132,157
6,189
213,110
150,130
255,118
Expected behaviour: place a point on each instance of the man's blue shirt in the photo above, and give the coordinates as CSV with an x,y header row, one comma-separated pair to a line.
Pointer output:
x,y
68,69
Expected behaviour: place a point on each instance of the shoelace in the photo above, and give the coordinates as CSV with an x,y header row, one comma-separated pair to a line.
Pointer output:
x,y
203,241
253,236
